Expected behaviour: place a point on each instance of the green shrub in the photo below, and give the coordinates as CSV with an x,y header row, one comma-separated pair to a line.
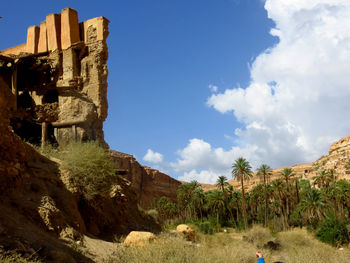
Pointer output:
x,y
90,168
14,257
333,231
206,228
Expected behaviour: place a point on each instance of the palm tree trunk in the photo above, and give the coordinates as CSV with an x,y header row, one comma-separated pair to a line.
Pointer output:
x,y
287,199
227,208
244,206
237,212
297,190
266,204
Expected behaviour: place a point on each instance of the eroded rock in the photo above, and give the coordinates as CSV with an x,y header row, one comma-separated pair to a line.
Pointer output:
x,y
187,232
139,238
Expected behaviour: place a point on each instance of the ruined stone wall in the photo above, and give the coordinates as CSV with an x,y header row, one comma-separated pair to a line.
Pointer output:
x,y
59,79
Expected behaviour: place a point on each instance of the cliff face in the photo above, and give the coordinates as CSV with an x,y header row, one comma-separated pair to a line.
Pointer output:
x,y
148,183
57,95
39,213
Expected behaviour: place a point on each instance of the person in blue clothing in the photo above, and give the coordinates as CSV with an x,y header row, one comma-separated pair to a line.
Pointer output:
x,y
260,257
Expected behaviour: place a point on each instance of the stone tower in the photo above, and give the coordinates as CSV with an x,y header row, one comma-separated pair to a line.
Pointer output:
x,y
57,81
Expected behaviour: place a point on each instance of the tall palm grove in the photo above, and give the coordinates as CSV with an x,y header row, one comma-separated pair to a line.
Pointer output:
x,y
322,204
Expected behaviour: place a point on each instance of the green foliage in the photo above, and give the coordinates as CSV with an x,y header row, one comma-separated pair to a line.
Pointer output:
x,y
90,168
333,231
13,257
206,228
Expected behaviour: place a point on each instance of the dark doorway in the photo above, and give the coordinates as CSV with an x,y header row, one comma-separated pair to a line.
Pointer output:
x,y
28,131
25,101
51,96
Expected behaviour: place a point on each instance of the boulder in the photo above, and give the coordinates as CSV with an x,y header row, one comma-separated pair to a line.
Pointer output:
x,y
138,238
186,232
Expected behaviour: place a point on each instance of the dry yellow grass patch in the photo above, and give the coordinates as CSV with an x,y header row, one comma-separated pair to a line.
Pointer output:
x,y
297,246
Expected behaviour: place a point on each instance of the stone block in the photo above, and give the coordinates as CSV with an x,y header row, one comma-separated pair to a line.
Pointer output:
x,y
32,39
69,28
53,25
70,68
95,29
42,46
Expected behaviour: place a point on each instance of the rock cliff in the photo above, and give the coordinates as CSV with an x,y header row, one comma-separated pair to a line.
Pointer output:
x,y
148,183
57,95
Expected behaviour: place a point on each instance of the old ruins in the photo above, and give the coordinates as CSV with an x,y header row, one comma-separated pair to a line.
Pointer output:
x,y
56,82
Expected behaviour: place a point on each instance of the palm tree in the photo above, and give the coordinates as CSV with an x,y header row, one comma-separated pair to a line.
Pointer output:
x,y
241,170
184,196
235,201
216,202
278,190
265,171
331,177
287,173
197,200
220,184
320,179
312,205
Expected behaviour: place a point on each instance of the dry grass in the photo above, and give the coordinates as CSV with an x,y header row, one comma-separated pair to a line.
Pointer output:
x,y
297,246
220,248
300,247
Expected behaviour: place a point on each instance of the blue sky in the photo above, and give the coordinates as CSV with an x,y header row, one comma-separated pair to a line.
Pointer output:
x,y
164,55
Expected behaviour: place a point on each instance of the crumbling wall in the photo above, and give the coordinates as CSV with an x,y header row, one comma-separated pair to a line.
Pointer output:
x,y
58,79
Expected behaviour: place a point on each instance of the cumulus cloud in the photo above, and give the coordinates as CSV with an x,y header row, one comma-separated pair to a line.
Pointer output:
x,y
153,157
297,102
205,176
199,161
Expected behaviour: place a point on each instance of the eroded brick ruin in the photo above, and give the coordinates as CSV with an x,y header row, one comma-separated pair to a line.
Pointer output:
x,y
56,82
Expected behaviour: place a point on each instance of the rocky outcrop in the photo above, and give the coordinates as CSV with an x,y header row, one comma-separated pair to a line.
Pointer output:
x,y
148,183
40,213
63,91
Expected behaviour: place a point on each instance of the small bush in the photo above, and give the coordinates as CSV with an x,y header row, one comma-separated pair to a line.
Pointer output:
x,y
153,213
206,228
89,167
258,236
333,231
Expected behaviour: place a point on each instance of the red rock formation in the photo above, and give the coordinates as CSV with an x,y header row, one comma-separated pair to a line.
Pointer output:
x,y
147,182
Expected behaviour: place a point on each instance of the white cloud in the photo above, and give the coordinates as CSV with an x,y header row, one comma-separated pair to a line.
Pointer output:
x,y
153,157
208,177
297,102
199,161
213,88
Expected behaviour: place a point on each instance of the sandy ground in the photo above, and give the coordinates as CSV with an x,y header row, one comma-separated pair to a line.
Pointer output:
x,y
99,250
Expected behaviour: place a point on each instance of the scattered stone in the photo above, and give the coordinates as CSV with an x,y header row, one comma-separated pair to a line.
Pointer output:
x,y
139,238
186,232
